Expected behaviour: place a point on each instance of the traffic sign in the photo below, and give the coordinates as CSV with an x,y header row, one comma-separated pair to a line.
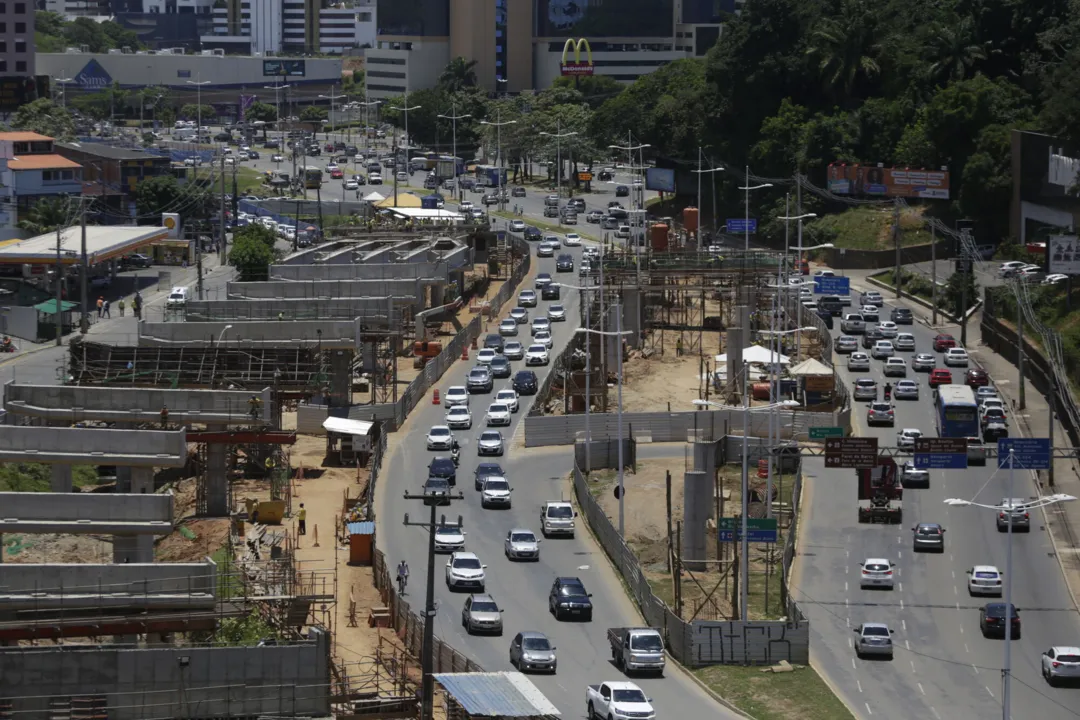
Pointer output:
x,y
761,530
820,433
741,225
851,452
832,285
941,453
1027,453
584,177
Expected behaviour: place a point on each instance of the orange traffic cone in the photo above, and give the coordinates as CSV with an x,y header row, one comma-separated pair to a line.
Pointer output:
x,y
435,397
474,343
465,352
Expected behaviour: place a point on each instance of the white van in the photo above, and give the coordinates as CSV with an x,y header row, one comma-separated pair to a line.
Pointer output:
x,y
177,298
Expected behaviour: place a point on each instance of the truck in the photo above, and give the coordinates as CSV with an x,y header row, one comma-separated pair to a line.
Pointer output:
x,y
617,701
635,649
880,493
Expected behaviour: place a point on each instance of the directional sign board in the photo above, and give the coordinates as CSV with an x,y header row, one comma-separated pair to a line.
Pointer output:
x,y
1027,453
941,453
852,452
820,433
832,285
741,225
758,529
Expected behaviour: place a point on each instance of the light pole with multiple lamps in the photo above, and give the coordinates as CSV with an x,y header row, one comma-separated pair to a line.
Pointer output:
x,y
699,172
62,82
558,135
746,217
198,104
453,119
498,125
367,119
277,101
332,98
637,198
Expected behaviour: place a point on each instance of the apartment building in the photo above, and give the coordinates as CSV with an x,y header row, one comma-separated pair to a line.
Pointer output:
x,y
292,26
34,170
16,38
76,8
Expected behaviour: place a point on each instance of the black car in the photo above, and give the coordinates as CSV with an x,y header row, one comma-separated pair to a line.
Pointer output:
x,y
443,467
223,137
902,316
271,144
494,341
500,367
826,317
569,598
485,470
135,260
492,199
525,382
438,489
533,233
314,151
622,191
550,292
518,192
992,619
352,151
564,263
577,203
870,337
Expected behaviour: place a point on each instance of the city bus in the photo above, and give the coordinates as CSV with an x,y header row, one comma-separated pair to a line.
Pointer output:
x,y
957,412
312,177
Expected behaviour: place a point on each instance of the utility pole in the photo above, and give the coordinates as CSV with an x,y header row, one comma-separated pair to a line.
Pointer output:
x,y
898,279
59,288
395,169
84,295
318,199
965,268
221,230
933,275
427,654
1020,354
1051,399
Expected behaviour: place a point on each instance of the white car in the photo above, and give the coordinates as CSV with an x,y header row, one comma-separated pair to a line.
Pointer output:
x,y
536,355
490,442
513,350
485,356
858,361
887,328
956,357
496,493
458,417
521,544
497,414
352,185
906,437
876,572
905,342
517,226
556,313
509,398
846,344
508,327
906,390
572,240
403,177
544,338
1054,279
449,538
869,313
911,476
465,205
895,366
882,349
177,298
984,580
465,571
440,437
923,362
1059,662
457,395
519,315
1009,268
873,639
277,158
541,324
527,298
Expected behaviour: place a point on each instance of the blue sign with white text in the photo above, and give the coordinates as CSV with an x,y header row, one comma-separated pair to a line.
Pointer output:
x,y
941,461
741,225
832,285
1027,453
93,77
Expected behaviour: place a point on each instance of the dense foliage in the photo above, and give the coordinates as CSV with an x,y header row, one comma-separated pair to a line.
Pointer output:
x,y
252,252
54,34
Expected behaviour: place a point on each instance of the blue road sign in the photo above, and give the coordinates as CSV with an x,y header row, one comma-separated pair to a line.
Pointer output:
x,y
740,225
756,536
832,285
941,461
1028,453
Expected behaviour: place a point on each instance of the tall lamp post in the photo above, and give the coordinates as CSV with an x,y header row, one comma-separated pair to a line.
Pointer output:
x,y
638,198
332,98
558,135
277,101
699,172
1046,500
498,125
366,105
746,217
799,249
198,104
62,82
453,119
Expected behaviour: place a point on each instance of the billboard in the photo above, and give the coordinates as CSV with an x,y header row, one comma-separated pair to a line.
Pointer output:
x,y
93,77
603,18
284,68
844,179
572,61
660,179
1063,254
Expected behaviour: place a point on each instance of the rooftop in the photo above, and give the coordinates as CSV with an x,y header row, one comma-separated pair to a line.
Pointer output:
x,y
500,694
23,136
102,243
41,162
108,151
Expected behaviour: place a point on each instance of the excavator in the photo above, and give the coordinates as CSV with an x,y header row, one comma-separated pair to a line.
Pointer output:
x,y
427,322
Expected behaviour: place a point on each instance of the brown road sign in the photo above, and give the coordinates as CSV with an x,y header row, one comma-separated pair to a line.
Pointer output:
x,y
937,446
851,452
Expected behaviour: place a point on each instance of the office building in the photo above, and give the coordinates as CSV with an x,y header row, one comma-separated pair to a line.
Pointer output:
x,y
76,8
292,26
16,38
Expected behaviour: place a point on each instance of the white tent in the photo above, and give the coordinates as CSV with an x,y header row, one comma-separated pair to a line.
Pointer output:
x,y
374,197
757,355
811,368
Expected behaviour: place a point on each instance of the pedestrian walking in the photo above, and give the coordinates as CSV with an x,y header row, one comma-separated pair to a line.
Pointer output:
x,y
105,309
302,519
120,305
100,306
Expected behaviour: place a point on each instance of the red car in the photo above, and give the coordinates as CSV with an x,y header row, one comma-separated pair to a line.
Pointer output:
x,y
328,147
940,376
944,342
976,377
337,174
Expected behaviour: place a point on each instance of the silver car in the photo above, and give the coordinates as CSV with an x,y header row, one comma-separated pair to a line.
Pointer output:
x,y
906,390
520,315
508,328
532,651
449,538
1058,663
522,544
513,350
873,639
923,362
846,344
490,443
905,342
481,614
880,413
1015,509
496,493
556,313
865,389
912,476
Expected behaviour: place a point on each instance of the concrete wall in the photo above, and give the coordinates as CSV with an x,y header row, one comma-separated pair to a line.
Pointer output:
x,y
129,448
189,682
334,333
31,512
20,322
313,290
373,311
71,403
125,585
379,271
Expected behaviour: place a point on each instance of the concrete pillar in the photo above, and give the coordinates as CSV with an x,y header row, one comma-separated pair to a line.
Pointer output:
x,y
142,480
133,548
612,343
705,462
340,378
61,479
631,320
123,480
697,501
217,484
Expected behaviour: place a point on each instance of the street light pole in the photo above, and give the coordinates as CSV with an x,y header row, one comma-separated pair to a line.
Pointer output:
x,y
454,118
277,101
699,172
798,308
332,97
558,135
198,104
746,217
637,200
498,125
63,90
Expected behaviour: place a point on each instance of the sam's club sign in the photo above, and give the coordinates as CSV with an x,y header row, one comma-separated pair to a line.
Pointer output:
x,y
93,77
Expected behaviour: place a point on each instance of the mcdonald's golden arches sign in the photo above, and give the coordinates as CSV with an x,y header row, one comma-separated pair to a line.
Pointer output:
x,y
575,65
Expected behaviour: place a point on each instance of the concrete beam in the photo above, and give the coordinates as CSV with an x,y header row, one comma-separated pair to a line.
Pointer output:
x,y
82,513
380,271
72,404
272,333
373,312
80,446
329,289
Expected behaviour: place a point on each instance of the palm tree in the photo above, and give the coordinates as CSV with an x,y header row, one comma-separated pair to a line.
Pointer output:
x,y
953,51
45,216
844,49
458,75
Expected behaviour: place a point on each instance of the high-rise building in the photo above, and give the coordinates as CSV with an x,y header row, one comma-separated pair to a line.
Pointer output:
x,y
77,8
293,26
16,38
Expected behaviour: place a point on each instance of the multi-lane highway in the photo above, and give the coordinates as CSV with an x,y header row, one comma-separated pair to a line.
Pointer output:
x,y
943,666
521,589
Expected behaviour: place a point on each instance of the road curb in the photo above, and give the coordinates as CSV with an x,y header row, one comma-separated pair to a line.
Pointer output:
x,y
26,353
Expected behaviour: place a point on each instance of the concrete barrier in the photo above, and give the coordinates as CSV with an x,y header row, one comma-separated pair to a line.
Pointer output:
x,y
81,513
372,311
334,289
358,271
330,333
74,446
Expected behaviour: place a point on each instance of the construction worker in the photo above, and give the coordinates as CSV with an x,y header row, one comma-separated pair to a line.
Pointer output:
x,y
120,304
164,417
255,406
302,519
100,306
678,347
281,315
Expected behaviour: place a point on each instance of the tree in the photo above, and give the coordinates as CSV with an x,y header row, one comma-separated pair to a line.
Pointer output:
x,y
595,89
157,195
845,50
46,215
458,75
85,31
952,50
119,36
313,113
261,112
252,252
191,112
45,117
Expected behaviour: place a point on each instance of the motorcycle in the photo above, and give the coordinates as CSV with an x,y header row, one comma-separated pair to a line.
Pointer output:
x,y
455,455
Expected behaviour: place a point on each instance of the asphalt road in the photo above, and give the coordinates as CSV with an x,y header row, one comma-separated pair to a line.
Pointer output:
x,y
943,666
520,588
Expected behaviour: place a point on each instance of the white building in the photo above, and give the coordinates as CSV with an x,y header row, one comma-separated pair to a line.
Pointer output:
x,y
76,8
300,26
30,169
178,7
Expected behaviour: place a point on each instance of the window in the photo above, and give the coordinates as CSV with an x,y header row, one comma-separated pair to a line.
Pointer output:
x,y
3,46
3,27
20,8
20,66
20,27
20,46
3,7
3,65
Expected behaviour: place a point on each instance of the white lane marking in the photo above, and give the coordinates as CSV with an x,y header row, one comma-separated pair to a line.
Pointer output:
x,y
583,567
954,574
955,591
852,663
966,649
989,691
845,586
907,643
563,689
957,606
850,644
912,665
950,557
975,668
961,631
858,684
900,553
868,710
903,624
847,569
921,688
846,603
901,603
898,539
901,587
935,712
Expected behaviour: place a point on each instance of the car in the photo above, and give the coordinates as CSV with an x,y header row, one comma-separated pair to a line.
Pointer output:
x,y
517,226
532,234
911,476
906,390
923,362
443,467
906,438
536,355
858,361
449,538
543,337
1054,279
873,639
869,313
943,342
513,350
623,233
556,313
485,470
481,614
495,493
338,174
551,201
479,380
525,382
465,206
475,213
438,489
1015,509
485,355
577,203
984,580
895,367
135,260
572,240
956,357
508,328
986,403
845,344
521,544
888,329
532,651
609,223
500,367
546,249
940,376
928,536
352,185
872,297
876,572
542,279
880,413
464,570
177,299
904,342
594,216
1010,268
490,199
497,414
551,211
992,620
569,598
902,316
456,395
865,389
551,292
509,398
490,442
519,315
976,377
1061,662
882,349
517,192
276,157
622,191
985,392
870,338
564,263
458,417
540,324
440,437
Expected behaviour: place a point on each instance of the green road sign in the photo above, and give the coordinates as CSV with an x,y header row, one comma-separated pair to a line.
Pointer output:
x,y
730,523
820,433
